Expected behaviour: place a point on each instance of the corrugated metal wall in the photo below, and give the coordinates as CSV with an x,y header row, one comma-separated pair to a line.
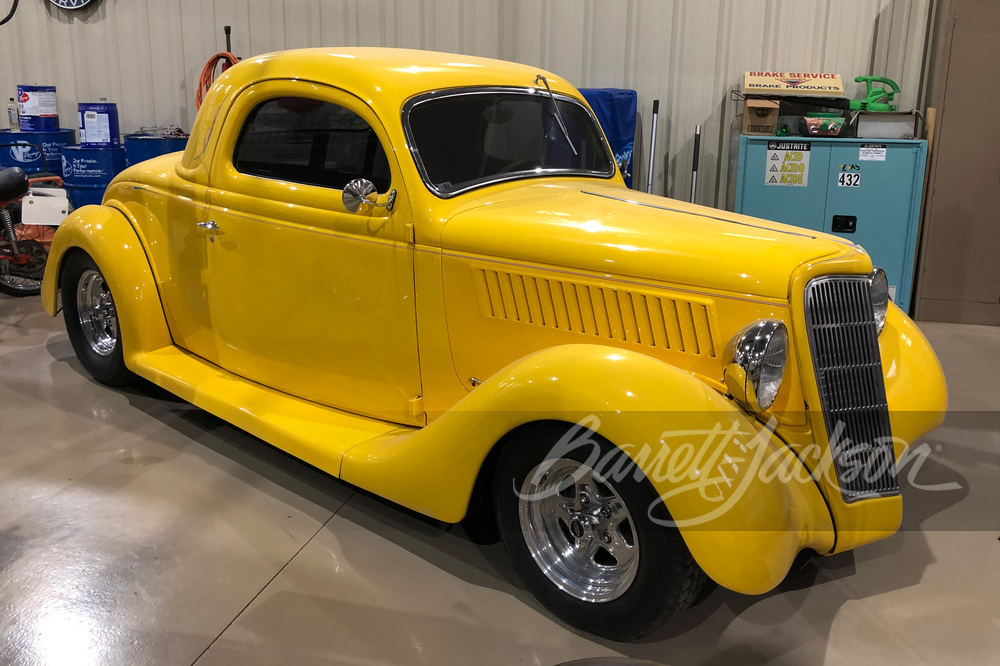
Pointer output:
x,y
146,55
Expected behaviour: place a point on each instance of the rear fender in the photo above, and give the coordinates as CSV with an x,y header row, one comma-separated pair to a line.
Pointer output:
x,y
709,462
107,236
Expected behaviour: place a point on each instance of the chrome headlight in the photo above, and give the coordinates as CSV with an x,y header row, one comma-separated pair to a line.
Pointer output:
x,y
879,284
755,364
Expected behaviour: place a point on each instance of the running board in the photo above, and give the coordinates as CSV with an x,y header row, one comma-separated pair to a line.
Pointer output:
x,y
314,433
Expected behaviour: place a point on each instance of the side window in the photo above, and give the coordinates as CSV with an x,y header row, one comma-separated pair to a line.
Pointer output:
x,y
311,142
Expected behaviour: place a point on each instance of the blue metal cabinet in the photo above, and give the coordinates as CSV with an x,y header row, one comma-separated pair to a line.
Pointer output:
x,y
864,190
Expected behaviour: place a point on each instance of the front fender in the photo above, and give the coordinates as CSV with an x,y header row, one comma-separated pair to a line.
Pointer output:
x,y
708,461
914,381
106,235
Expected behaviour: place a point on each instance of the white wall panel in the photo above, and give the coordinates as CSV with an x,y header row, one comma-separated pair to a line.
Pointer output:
x,y
146,55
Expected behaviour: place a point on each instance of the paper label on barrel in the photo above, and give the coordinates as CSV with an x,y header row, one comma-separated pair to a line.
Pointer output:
x,y
96,128
37,103
47,106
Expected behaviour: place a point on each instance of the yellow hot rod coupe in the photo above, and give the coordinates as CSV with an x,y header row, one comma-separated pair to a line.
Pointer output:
x,y
423,274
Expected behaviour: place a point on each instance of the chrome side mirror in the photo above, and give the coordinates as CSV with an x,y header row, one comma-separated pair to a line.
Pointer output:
x,y
622,163
360,194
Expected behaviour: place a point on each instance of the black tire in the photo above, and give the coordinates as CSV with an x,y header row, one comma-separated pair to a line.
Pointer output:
x,y
107,369
27,282
18,285
15,290
667,579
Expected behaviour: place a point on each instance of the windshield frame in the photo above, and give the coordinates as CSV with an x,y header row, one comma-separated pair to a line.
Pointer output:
x,y
506,177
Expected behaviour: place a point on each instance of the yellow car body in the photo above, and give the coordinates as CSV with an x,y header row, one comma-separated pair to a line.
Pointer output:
x,y
396,349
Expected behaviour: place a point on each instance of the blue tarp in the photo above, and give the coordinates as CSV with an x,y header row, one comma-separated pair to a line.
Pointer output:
x,y
616,111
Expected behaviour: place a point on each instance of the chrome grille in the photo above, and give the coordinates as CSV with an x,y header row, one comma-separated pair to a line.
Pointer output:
x,y
844,342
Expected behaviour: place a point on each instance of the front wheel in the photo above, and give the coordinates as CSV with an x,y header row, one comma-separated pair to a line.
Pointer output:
x,y
92,320
584,543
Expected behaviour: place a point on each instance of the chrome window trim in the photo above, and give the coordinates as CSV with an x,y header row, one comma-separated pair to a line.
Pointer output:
x,y
250,115
493,180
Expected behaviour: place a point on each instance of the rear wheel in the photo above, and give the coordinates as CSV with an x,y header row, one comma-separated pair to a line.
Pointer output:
x,y
24,279
585,545
92,320
20,272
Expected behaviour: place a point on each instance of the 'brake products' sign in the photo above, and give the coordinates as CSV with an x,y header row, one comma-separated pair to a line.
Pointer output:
x,y
787,163
793,83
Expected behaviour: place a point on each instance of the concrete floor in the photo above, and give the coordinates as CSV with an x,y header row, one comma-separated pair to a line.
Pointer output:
x,y
136,529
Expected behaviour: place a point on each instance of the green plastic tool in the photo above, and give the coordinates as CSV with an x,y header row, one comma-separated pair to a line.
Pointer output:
x,y
876,98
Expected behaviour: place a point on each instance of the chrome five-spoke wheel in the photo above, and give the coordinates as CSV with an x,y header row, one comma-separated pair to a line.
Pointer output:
x,y
92,320
96,312
573,533
578,530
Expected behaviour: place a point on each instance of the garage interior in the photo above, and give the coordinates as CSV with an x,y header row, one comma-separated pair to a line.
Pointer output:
x,y
136,528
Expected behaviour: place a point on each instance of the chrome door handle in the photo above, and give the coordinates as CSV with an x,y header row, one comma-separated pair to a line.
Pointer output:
x,y
211,225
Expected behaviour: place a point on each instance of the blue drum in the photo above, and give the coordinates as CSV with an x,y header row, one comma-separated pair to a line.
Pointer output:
x,y
142,147
31,146
87,172
99,125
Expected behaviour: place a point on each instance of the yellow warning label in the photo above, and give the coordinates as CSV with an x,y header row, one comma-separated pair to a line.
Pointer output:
x,y
787,163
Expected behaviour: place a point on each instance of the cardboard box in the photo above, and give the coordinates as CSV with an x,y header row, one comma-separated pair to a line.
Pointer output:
x,y
760,117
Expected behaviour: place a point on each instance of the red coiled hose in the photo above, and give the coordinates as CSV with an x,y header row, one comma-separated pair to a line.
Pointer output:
x,y
208,74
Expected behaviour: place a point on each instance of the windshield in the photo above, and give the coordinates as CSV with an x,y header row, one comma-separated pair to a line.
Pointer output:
x,y
474,138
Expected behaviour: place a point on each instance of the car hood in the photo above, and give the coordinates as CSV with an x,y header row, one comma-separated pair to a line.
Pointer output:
x,y
616,231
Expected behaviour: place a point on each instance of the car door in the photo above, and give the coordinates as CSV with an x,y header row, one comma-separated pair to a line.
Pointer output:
x,y
305,296
178,248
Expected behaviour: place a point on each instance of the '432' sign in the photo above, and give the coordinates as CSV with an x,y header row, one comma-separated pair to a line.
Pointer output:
x,y
70,4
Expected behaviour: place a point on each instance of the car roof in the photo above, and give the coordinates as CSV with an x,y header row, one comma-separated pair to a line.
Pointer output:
x,y
386,77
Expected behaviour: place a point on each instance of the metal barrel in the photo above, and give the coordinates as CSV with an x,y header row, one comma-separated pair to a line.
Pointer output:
x,y
30,146
99,125
142,147
37,108
88,171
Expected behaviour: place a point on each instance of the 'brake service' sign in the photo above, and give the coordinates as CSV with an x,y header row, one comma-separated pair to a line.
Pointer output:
x,y
814,84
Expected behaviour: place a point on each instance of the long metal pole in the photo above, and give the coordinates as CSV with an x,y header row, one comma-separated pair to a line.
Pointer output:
x,y
694,165
652,147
